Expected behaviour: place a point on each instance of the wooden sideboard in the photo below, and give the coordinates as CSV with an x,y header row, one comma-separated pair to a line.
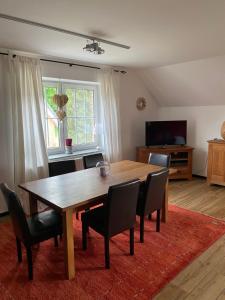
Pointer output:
x,y
181,159
216,162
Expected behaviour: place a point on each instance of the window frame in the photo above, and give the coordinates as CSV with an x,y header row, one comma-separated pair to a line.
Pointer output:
x,y
61,85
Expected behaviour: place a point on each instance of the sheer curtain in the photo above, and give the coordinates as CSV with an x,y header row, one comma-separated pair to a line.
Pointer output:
x,y
22,139
110,96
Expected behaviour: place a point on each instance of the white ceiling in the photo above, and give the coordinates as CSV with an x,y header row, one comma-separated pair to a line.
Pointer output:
x,y
160,32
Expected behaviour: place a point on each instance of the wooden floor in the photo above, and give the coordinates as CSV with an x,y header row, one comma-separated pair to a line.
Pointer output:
x,y
197,195
204,279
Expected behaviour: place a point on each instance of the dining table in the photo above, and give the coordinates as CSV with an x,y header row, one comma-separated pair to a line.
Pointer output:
x,y
76,191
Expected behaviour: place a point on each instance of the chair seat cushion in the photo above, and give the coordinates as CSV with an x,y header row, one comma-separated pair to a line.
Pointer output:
x,y
45,225
95,218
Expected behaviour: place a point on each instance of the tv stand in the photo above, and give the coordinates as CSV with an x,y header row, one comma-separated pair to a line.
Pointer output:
x,y
181,158
169,146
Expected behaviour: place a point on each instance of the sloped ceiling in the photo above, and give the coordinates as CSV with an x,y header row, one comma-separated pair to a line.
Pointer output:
x,y
160,32
196,83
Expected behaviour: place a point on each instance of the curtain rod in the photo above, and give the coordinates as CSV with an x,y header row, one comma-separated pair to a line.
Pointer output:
x,y
70,64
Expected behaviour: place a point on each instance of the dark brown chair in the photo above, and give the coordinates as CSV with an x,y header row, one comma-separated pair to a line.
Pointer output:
x,y
158,159
33,230
116,215
151,198
161,160
61,167
90,161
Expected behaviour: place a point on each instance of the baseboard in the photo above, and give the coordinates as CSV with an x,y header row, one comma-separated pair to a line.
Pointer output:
x,y
5,213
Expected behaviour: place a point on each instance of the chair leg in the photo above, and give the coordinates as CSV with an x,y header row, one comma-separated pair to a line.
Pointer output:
x,y
87,209
142,225
132,241
60,237
107,258
56,241
19,250
158,221
84,235
30,263
150,216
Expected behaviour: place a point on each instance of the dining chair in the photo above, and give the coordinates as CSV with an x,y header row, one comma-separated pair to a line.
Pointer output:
x,y
161,160
151,198
32,230
158,159
61,167
116,215
90,161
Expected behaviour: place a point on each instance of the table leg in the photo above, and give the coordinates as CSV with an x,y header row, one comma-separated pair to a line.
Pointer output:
x,y
165,205
33,204
68,244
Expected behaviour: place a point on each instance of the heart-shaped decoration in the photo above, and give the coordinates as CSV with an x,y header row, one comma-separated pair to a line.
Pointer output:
x,y
60,100
61,114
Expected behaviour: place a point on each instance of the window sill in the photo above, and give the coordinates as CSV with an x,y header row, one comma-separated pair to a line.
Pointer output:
x,y
74,155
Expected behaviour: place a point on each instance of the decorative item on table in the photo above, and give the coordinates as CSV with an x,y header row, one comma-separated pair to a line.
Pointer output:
x,y
68,146
60,101
103,168
223,130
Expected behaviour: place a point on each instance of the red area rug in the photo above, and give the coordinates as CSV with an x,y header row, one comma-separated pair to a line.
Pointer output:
x,y
155,263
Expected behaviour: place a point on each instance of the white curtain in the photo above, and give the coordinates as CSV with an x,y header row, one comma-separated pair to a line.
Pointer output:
x,y
110,96
22,117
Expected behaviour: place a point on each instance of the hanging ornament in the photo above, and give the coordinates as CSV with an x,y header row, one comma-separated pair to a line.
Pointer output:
x,y
60,101
141,103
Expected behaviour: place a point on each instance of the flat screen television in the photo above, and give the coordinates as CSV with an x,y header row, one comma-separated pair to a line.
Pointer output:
x,y
161,133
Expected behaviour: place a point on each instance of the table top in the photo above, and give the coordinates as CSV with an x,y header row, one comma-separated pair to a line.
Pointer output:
x,y
79,188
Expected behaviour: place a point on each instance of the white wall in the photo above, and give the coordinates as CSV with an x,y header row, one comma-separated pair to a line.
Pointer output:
x,y
62,71
204,123
193,91
132,120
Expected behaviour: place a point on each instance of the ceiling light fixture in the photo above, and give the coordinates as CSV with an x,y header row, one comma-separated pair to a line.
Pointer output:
x,y
49,27
94,47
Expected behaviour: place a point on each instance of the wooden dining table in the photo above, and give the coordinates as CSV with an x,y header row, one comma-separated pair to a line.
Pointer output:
x,y
82,189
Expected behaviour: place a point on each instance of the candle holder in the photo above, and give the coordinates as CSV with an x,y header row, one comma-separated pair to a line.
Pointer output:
x,y
103,168
68,146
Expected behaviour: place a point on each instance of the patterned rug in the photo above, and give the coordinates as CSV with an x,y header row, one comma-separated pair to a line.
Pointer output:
x,y
163,255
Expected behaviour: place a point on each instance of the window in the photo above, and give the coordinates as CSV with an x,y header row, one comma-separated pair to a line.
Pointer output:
x,y
82,115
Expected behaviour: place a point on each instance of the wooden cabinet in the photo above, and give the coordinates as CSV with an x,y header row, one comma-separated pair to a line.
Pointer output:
x,y
181,159
216,162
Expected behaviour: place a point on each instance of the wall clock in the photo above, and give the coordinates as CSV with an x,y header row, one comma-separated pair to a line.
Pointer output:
x,y
141,103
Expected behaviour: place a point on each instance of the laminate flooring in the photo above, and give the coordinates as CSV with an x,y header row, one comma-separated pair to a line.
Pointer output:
x,y
204,278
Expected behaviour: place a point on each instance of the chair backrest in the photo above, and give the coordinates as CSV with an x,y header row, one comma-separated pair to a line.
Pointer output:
x,y
158,159
61,167
90,161
121,206
16,212
155,191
